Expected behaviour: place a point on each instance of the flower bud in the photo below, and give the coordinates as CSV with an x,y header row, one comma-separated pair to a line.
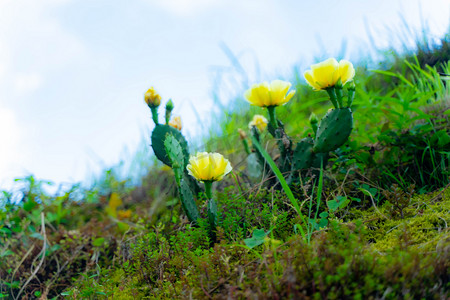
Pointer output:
x,y
351,93
313,119
242,134
351,86
152,98
169,106
259,122
176,123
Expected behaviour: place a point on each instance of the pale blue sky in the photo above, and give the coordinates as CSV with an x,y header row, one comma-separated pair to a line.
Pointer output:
x,y
73,73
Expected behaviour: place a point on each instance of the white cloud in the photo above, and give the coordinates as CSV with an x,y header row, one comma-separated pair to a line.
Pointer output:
x,y
33,43
185,7
9,141
34,46
28,82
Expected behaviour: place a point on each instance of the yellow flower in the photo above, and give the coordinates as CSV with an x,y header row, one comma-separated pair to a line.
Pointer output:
x,y
152,98
273,94
327,73
176,123
123,214
208,166
259,121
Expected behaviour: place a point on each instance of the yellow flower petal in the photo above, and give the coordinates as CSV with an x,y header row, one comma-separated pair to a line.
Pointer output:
x,y
346,71
310,79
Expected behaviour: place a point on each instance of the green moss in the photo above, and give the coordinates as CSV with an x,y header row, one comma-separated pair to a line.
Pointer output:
x,y
365,257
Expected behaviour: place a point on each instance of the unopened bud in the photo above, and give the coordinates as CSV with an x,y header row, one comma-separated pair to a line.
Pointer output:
x,y
152,98
259,122
242,134
351,86
313,119
169,105
176,123
339,84
351,89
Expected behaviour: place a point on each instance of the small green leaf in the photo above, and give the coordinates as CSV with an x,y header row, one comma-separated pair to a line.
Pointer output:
x,y
123,227
323,215
55,247
5,230
318,224
29,205
6,253
257,238
68,293
37,235
98,242
339,202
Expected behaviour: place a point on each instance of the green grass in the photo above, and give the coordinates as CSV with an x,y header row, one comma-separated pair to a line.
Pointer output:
x,y
374,223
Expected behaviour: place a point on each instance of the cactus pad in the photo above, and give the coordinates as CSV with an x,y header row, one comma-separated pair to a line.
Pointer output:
x,y
174,152
303,155
159,135
334,130
188,202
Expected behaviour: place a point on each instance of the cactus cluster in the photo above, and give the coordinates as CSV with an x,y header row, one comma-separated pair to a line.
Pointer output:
x,y
330,133
172,149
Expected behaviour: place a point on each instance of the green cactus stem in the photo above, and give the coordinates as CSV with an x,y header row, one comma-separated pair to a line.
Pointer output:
x,y
339,95
169,108
272,117
212,210
246,148
154,115
262,161
333,97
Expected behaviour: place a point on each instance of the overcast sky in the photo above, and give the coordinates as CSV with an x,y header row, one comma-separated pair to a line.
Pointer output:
x,y
73,73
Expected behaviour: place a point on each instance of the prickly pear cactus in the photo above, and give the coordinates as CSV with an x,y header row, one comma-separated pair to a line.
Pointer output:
x,y
159,135
302,157
334,130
